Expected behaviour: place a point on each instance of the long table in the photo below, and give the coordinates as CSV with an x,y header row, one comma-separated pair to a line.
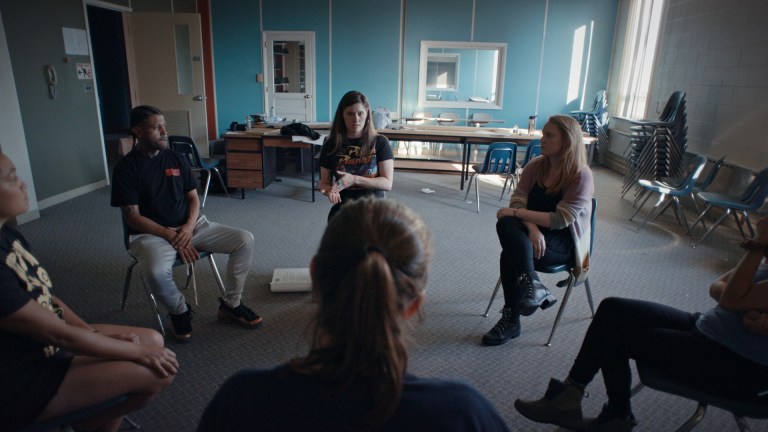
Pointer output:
x,y
264,140
465,135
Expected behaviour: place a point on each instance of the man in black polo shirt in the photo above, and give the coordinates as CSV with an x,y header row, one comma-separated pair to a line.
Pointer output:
x,y
155,189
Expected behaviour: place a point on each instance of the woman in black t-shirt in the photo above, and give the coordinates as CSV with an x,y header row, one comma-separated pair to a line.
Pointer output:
x,y
359,159
52,362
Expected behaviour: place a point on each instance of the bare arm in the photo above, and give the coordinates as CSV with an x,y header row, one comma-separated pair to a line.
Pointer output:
x,y
326,186
741,293
70,317
382,182
34,321
143,224
180,237
718,285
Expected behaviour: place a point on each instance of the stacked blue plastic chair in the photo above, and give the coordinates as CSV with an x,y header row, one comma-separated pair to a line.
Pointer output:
x,y
752,199
657,147
595,123
672,191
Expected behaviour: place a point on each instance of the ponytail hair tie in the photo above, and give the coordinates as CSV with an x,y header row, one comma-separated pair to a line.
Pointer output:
x,y
371,249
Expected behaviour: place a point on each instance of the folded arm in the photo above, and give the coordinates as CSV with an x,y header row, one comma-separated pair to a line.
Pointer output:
x,y
737,289
180,237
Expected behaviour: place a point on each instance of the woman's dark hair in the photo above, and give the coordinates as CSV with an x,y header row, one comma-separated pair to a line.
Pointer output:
x,y
370,266
339,128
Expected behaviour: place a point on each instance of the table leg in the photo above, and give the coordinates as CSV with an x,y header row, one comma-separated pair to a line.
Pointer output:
x,y
465,162
313,174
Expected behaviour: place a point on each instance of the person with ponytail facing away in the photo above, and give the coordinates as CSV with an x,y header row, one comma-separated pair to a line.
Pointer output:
x,y
360,160
368,279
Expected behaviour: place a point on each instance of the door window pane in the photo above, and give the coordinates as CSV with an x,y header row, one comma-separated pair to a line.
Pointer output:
x,y
183,59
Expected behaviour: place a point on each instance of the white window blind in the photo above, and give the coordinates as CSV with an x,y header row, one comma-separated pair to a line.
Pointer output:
x,y
642,35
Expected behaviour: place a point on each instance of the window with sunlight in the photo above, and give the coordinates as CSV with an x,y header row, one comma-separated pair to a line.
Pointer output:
x,y
640,43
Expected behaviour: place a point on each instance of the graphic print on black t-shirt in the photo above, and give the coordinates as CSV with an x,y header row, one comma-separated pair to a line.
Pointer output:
x,y
350,159
36,280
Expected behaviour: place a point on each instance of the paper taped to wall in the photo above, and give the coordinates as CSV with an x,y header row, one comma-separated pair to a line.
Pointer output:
x,y
291,280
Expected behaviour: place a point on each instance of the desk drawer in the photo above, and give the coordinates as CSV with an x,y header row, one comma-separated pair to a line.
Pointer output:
x,y
244,144
251,161
245,179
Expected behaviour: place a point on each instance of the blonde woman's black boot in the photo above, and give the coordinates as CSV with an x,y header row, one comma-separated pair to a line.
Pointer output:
x,y
507,328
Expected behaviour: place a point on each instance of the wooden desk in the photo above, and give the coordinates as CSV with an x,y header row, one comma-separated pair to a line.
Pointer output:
x,y
251,161
249,164
271,140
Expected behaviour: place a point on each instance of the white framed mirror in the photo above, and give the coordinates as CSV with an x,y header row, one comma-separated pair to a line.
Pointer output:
x,y
461,74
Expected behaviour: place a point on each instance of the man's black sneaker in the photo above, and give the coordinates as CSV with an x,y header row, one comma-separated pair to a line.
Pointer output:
x,y
241,315
182,325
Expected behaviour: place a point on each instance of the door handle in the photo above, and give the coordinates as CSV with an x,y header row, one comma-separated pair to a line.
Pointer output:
x,y
307,97
198,98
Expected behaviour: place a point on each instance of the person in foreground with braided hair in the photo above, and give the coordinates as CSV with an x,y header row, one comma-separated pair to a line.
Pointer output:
x,y
722,351
368,279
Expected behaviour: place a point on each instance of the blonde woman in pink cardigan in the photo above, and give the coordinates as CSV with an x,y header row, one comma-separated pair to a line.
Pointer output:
x,y
547,222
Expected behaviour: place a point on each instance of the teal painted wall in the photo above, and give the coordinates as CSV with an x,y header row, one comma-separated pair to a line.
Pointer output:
x,y
358,47
237,60
366,47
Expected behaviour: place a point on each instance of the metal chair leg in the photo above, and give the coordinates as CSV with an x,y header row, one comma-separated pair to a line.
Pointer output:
x,y
695,419
216,274
469,186
636,389
477,193
711,228
639,207
192,280
153,304
653,212
588,289
493,297
207,184
127,283
221,180
741,422
571,283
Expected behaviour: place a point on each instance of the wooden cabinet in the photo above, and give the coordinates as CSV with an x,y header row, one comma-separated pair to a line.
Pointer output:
x,y
249,164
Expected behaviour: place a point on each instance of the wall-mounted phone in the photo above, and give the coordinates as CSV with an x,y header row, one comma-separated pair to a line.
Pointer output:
x,y
50,78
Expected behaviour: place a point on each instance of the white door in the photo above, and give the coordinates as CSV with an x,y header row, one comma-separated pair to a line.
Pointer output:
x,y
168,57
289,63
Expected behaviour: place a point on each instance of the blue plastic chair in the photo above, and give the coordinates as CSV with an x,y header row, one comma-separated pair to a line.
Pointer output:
x,y
652,378
751,199
597,115
500,159
532,150
569,282
704,184
186,146
665,190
